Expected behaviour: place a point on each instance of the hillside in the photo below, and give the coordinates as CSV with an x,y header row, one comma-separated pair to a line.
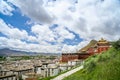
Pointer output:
x,y
105,66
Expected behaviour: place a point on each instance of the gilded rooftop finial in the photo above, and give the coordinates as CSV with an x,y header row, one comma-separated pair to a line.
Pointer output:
x,y
102,40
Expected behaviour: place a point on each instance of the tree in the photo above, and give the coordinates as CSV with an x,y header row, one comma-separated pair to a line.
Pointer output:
x,y
2,58
116,45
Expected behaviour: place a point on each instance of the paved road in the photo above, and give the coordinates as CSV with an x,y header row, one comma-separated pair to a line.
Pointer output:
x,y
60,77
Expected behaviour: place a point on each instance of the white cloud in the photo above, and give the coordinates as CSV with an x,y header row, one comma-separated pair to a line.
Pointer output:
x,y
15,33
58,34
40,42
69,48
34,10
32,39
11,32
63,34
11,43
74,48
43,33
20,45
6,8
89,19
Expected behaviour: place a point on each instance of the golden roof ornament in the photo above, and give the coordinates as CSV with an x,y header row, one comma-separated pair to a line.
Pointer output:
x,y
102,40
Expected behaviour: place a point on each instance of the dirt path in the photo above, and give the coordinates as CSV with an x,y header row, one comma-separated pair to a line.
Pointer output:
x,y
60,77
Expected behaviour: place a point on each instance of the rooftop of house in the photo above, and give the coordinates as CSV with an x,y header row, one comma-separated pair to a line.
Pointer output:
x,y
103,41
93,43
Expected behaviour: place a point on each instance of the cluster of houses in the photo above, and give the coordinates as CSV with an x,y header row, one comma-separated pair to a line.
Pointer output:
x,y
33,69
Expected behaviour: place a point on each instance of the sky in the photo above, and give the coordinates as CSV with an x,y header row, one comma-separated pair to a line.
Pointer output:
x,y
57,26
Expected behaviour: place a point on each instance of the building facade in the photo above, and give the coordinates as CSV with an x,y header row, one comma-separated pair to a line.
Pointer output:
x,y
92,48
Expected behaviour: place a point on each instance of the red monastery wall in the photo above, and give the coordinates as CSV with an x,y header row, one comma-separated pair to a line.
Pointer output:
x,y
69,56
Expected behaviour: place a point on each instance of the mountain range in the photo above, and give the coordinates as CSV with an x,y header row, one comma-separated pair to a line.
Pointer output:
x,y
10,52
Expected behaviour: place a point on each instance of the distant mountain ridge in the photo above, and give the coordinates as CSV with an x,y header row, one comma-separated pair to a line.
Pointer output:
x,y
10,52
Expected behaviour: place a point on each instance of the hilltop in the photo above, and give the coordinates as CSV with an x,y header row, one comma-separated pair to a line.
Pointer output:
x,y
105,66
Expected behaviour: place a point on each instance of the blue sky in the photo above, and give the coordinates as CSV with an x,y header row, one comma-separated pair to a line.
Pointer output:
x,y
57,25
16,20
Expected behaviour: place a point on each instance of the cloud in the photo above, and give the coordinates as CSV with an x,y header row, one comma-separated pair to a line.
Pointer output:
x,y
17,44
11,43
63,33
40,41
58,34
43,33
69,48
6,8
34,10
74,48
15,33
11,32
90,19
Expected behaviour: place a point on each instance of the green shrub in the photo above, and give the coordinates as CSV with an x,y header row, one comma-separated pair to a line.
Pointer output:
x,y
116,45
90,64
2,58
